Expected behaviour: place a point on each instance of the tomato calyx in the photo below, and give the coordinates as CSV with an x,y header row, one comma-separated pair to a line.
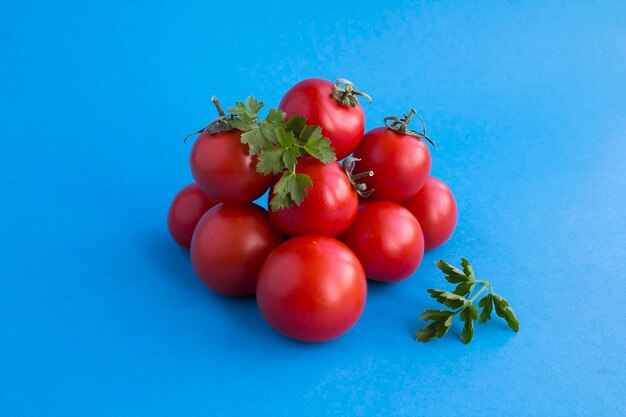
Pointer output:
x,y
220,124
400,125
348,165
347,95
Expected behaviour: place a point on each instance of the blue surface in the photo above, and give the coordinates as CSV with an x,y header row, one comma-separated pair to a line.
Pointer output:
x,y
100,312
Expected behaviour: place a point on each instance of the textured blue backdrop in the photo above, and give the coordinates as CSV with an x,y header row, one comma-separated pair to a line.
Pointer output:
x,y
101,314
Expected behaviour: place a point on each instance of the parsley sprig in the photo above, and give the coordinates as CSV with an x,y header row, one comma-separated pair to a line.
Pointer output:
x,y
460,302
279,143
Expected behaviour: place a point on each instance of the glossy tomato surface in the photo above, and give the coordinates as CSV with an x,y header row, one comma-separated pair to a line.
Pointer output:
x,y
435,209
329,207
387,239
313,100
186,209
401,164
312,288
229,246
223,168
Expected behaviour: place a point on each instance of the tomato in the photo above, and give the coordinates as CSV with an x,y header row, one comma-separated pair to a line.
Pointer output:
x,y
435,209
329,207
387,239
186,209
311,288
342,124
229,246
223,168
401,164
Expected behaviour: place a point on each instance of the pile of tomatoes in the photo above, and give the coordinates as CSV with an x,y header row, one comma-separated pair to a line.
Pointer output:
x,y
371,216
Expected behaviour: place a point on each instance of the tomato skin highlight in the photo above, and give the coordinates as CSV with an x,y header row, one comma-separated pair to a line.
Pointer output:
x,y
329,207
229,246
401,164
185,211
311,288
223,168
387,239
436,210
312,99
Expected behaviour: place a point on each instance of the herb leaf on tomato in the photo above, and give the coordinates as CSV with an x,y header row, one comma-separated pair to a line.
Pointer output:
x,y
317,145
245,115
290,188
296,124
461,302
271,161
279,143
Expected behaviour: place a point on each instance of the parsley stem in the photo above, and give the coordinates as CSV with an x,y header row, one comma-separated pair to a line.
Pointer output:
x,y
486,285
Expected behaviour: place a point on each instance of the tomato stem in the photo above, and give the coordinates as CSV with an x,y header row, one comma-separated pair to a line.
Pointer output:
x,y
218,105
347,95
407,118
362,175
400,125
361,188
218,125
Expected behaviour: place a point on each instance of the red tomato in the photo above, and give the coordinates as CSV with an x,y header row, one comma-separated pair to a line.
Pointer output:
x,y
329,207
313,100
401,164
186,209
435,209
223,168
229,246
387,240
311,288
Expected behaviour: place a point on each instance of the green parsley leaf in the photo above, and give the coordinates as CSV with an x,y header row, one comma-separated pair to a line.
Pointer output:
x,y
296,124
257,139
310,134
280,201
469,313
467,269
317,145
298,189
323,152
286,138
435,315
270,161
468,331
504,310
290,189
447,298
290,158
276,116
464,288
486,304
245,116
427,333
453,275
441,322
444,326
254,105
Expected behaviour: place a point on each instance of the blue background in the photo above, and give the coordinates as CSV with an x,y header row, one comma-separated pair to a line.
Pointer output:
x,y
100,312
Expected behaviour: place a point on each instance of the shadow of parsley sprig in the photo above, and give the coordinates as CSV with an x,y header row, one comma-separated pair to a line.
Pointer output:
x,y
278,144
461,302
